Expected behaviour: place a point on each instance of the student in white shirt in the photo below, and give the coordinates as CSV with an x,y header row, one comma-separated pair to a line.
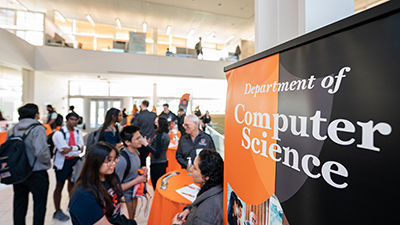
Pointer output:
x,y
68,142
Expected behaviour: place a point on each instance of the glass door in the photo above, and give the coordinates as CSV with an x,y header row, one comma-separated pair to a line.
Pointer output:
x,y
98,109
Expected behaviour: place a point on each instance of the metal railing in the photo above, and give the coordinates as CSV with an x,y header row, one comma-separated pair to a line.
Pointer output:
x,y
219,140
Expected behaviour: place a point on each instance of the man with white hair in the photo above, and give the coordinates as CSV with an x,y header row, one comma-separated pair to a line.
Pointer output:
x,y
195,140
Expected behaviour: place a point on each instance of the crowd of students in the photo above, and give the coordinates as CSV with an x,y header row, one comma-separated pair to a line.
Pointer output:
x,y
105,189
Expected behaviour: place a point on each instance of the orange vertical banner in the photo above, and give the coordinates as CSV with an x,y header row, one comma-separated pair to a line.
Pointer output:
x,y
249,170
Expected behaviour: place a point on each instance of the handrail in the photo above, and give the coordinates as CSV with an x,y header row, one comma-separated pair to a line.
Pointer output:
x,y
214,131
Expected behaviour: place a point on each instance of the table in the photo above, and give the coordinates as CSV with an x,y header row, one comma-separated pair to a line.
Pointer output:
x,y
3,136
171,155
167,203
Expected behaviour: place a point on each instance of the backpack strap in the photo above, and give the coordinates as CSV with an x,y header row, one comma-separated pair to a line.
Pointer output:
x,y
128,164
112,130
65,136
27,131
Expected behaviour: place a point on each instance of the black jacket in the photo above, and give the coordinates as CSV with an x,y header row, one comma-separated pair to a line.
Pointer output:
x,y
187,148
145,120
171,117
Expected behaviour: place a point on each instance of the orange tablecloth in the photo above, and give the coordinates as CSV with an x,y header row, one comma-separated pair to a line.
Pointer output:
x,y
48,129
3,136
171,155
167,203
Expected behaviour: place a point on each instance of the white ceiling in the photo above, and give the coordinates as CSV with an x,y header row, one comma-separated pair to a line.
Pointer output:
x,y
225,17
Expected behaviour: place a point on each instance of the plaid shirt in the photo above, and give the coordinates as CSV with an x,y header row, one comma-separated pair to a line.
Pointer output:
x,y
60,143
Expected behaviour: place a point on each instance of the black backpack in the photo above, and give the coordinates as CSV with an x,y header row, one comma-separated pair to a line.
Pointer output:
x,y
128,168
50,142
80,120
128,163
92,138
59,120
14,163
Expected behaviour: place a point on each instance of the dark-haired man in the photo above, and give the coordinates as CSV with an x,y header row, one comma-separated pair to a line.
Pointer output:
x,y
145,120
181,119
38,182
51,117
132,140
167,114
68,142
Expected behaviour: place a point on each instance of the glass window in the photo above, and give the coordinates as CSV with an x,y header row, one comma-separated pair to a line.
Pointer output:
x,y
10,92
30,21
86,88
32,37
137,87
78,104
7,17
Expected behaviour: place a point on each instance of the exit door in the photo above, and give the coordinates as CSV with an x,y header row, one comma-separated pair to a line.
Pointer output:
x,y
98,109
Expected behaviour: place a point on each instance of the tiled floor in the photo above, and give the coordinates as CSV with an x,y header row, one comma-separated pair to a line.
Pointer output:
x,y
6,205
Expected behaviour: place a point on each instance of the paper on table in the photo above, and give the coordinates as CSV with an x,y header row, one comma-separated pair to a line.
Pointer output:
x,y
171,145
189,192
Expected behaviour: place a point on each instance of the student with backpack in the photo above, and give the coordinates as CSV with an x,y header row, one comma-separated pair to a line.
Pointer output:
x,y
128,165
68,142
39,158
109,131
53,118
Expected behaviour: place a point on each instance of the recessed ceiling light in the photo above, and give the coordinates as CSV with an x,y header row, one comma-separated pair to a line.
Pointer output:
x,y
230,38
90,20
144,27
190,33
211,35
168,32
118,23
60,16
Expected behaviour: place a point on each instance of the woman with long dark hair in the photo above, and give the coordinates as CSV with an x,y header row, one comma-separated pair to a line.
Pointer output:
x,y
208,171
1,116
159,160
109,131
97,197
205,120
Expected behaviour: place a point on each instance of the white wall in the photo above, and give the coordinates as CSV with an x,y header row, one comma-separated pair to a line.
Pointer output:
x,y
319,13
15,51
52,90
85,61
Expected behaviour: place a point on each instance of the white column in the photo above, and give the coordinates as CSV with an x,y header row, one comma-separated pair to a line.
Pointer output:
x,y
315,14
277,21
128,104
155,98
266,24
155,38
28,86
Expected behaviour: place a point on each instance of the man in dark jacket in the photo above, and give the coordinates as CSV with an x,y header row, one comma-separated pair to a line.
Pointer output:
x,y
167,114
51,117
181,119
38,182
191,144
145,120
